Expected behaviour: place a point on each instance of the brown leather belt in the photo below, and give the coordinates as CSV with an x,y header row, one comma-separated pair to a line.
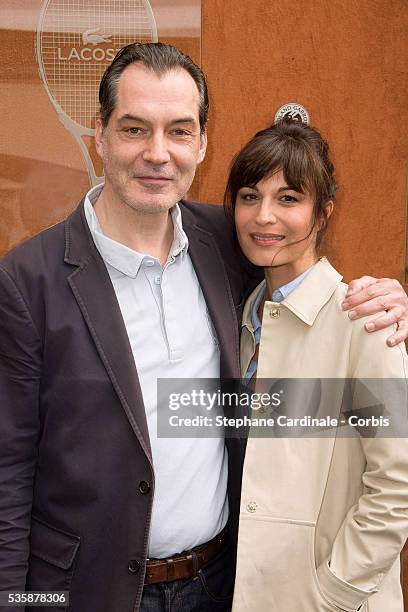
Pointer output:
x,y
185,565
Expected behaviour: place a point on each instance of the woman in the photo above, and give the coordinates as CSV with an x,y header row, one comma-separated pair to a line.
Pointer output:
x,y
323,519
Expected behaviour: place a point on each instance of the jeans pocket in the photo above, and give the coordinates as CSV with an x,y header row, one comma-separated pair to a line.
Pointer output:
x,y
217,576
209,589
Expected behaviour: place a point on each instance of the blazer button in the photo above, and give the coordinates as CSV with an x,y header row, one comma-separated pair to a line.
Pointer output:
x,y
252,506
144,487
274,313
133,566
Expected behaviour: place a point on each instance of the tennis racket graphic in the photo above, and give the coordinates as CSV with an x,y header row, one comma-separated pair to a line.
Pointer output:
x,y
76,41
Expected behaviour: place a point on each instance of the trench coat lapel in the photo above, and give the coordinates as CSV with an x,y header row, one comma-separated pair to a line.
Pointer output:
x,y
93,290
213,279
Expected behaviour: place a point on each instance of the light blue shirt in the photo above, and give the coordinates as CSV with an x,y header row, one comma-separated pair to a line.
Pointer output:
x,y
277,296
171,336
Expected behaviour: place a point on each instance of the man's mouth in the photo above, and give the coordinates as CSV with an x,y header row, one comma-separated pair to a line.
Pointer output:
x,y
153,179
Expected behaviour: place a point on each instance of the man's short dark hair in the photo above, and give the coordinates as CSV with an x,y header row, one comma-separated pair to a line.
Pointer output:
x,y
158,57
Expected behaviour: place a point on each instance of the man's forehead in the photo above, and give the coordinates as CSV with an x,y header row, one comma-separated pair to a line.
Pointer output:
x,y
156,98
140,80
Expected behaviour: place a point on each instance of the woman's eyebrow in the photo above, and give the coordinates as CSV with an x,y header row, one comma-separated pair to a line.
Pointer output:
x,y
287,187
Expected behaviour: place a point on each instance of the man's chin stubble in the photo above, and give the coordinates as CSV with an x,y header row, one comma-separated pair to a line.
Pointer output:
x,y
148,209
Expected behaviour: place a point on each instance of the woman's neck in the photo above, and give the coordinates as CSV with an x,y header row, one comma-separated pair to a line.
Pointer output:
x,y
277,276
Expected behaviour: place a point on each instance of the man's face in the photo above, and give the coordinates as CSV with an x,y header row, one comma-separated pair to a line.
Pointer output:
x,y
152,144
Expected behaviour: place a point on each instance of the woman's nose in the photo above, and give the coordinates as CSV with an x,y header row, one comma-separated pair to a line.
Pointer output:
x,y
266,214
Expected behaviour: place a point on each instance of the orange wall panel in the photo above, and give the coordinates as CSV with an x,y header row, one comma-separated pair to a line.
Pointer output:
x,y
346,62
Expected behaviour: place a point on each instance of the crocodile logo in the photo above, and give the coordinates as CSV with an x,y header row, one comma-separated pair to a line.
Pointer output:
x,y
92,37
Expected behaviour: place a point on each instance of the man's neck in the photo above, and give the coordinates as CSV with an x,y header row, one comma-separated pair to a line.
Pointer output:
x,y
141,231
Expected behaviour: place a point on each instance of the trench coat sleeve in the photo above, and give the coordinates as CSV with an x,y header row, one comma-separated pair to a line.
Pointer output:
x,y
376,528
20,359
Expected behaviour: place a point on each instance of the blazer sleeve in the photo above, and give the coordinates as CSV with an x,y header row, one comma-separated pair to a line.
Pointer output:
x,y
375,530
20,366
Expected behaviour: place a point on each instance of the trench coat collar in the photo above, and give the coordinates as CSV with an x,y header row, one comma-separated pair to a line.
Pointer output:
x,y
307,300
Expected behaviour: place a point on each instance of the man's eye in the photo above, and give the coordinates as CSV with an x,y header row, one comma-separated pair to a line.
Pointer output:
x,y
180,132
133,131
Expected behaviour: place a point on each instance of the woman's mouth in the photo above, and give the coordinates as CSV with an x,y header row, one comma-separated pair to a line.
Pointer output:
x,y
267,239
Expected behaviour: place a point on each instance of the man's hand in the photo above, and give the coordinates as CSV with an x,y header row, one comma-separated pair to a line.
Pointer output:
x,y
368,295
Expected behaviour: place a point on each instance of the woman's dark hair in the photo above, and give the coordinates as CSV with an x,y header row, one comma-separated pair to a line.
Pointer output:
x,y
296,149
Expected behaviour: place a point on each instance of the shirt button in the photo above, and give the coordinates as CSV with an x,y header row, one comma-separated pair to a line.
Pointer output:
x,y
149,262
157,280
144,487
274,313
252,506
133,566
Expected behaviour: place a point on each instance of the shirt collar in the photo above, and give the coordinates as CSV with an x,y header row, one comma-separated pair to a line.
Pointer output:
x,y
256,323
122,258
305,295
279,295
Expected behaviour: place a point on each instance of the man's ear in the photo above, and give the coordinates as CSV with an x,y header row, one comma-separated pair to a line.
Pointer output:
x,y
99,137
203,146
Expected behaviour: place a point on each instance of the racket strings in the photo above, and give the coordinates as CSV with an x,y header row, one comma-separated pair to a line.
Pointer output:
x,y
78,40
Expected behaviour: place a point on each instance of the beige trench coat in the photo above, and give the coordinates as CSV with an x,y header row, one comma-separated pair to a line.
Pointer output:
x,y
322,520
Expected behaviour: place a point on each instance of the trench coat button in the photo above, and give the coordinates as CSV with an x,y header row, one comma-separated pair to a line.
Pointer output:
x,y
133,566
274,313
252,506
144,487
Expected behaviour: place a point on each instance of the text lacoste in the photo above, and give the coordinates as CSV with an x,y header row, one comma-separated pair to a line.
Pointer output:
x,y
87,54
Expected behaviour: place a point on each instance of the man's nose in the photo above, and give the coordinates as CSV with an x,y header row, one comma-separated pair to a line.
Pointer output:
x,y
156,150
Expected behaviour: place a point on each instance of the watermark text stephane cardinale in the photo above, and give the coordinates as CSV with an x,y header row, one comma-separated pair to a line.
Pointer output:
x,y
282,408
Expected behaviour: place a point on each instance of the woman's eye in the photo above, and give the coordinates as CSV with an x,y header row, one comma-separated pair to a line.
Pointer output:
x,y
288,199
248,197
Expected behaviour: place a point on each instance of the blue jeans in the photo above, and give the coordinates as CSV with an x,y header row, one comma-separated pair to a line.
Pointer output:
x,y
210,591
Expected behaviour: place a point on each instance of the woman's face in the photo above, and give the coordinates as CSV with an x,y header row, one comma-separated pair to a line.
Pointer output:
x,y
271,216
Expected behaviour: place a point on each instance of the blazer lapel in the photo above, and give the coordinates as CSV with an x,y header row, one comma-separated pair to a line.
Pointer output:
x,y
213,279
93,290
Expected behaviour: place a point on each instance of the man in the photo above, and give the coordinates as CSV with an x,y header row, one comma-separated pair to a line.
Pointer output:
x,y
135,285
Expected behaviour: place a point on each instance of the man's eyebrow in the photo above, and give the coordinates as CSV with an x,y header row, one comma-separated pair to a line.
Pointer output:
x,y
184,120
129,117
